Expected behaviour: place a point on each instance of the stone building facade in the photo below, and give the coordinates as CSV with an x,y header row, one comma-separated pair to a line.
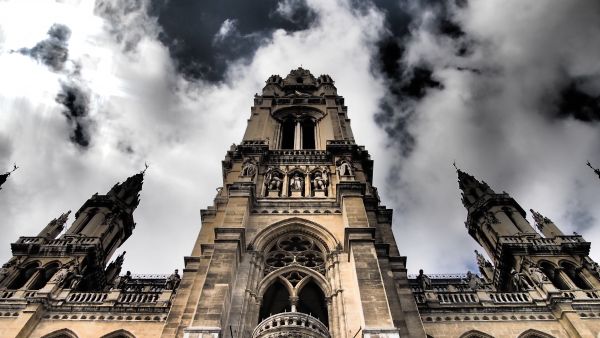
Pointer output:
x,y
297,244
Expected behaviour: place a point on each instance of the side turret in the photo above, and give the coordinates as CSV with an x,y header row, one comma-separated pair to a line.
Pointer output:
x,y
55,226
77,259
109,217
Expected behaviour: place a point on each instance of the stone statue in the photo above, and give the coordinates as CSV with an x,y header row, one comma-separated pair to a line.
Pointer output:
x,y
474,282
60,275
537,275
296,182
121,281
518,281
345,168
424,281
248,168
273,180
173,281
320,180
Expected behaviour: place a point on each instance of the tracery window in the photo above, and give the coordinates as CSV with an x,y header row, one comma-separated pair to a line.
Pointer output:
x,y
295,249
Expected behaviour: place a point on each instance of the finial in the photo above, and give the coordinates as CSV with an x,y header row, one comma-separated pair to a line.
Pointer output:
x,y
146,168
14,169
540,220
597,171
454,165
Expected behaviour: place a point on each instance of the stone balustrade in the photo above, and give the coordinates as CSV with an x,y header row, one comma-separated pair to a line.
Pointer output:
x,y
291,324
458,298
510,297
87,297
138,297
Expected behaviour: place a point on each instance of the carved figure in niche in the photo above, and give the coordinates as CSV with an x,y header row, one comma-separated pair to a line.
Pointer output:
x,y
296,182
273,180
321,180
474,282
73,277
518,281
537,275
173,281
248,168
345,168
424,281
60,275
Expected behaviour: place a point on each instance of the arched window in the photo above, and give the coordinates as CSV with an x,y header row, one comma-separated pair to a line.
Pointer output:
x,y
288,132
553,275
64,333
531,333
294,278
475,334
575,275
44,276
26,272
311,300
275,300
119,334
308,134
295,249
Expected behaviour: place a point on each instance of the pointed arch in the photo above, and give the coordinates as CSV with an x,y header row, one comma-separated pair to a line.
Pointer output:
x,y
119,334
62,333
24,274
275,275
533,333
294,224
475,334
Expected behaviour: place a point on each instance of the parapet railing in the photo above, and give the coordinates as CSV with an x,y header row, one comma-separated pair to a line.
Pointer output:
x,y
87,297
510,297
456,298
291,324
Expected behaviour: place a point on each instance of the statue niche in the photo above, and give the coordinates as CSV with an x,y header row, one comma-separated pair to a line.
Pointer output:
x,y
296,184
273,182
249,170
320,182
345,170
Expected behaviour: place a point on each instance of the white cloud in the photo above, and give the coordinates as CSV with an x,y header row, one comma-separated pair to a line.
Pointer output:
x,y
496,124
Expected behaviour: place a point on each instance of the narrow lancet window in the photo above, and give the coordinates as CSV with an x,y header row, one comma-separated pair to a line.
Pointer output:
x,y
308,134
288,130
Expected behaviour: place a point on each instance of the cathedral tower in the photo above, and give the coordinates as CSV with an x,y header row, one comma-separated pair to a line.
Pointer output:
x,y
296,243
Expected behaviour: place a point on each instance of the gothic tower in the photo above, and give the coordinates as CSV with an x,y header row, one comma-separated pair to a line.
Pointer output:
x,y
297,243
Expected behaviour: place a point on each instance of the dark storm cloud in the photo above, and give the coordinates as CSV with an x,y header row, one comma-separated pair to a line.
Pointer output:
x,y
52,51
574,100
190,28
75,102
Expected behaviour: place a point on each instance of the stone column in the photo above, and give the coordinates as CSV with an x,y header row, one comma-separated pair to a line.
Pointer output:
x,y
298,136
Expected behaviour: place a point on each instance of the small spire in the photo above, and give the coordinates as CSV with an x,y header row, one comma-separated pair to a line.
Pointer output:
x,y
540,220
128,192
4,176
146,168
596,170
472,189
55,226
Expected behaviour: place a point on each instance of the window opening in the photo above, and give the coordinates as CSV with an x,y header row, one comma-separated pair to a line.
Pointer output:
x,y
288,129
308,134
